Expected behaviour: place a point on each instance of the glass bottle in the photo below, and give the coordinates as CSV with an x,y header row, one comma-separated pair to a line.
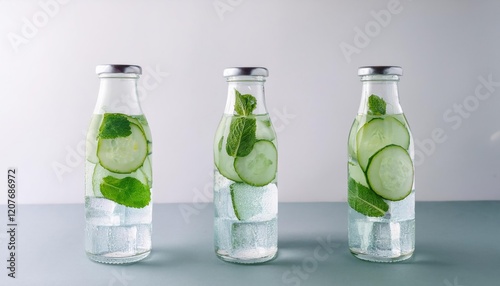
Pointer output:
x,y
118,173
245,180
381,187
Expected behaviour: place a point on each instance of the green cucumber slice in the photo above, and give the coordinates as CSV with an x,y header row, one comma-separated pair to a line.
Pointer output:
x,y
390,173
141,121
226,167
219,140
147,171
378,133
223,162
357,174
123,154
91,148
351,144
259,167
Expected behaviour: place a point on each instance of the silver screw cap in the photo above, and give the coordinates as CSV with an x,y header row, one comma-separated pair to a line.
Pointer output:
x,y
383,70
246,71
129,69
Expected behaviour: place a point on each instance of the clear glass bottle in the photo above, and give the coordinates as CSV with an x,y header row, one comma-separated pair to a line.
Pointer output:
x,y
381,178
245,182
118,173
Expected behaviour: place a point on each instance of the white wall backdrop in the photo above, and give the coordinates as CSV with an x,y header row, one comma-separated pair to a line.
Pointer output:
x,y
449,50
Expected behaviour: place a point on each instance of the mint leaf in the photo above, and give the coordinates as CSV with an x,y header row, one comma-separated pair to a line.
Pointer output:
x,y
376,105
365,201
241,136
128,191
244,103
114,125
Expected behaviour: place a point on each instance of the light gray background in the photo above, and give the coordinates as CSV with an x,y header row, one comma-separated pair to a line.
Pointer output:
x,y
447,49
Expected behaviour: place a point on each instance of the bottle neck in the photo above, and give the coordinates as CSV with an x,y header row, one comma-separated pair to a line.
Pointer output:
x,y
118,94
383,86
246,85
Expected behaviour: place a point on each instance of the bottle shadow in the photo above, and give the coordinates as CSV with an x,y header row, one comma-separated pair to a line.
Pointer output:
x,y
295,249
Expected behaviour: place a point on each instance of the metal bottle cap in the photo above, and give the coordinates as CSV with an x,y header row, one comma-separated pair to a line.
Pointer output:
x,y
383,70
246,71
130,69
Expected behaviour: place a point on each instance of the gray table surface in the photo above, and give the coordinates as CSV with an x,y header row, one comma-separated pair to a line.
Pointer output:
x,y
457,243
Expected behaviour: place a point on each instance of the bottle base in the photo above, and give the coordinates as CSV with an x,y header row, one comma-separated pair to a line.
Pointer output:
x,y
381,259
247,259
117,258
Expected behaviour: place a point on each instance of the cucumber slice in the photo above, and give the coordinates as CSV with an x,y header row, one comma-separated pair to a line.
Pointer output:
x,y
259,167
264,130
378,133
390,173
226,167
357,174
123,154
351,144
219,140
223,162
141,121
147,170
91,148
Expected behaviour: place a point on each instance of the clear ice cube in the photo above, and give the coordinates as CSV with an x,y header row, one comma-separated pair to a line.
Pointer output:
x,y
248,235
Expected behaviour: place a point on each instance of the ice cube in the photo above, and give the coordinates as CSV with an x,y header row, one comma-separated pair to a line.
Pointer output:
x,y
122,239
247,235
96,240
221,182
254,203
404,209
100,211
135,216
222,230
143,237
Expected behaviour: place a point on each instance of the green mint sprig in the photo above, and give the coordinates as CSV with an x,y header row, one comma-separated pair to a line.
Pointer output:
x,y
376,105
244,103
128,191
241,137
114,125
365,201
